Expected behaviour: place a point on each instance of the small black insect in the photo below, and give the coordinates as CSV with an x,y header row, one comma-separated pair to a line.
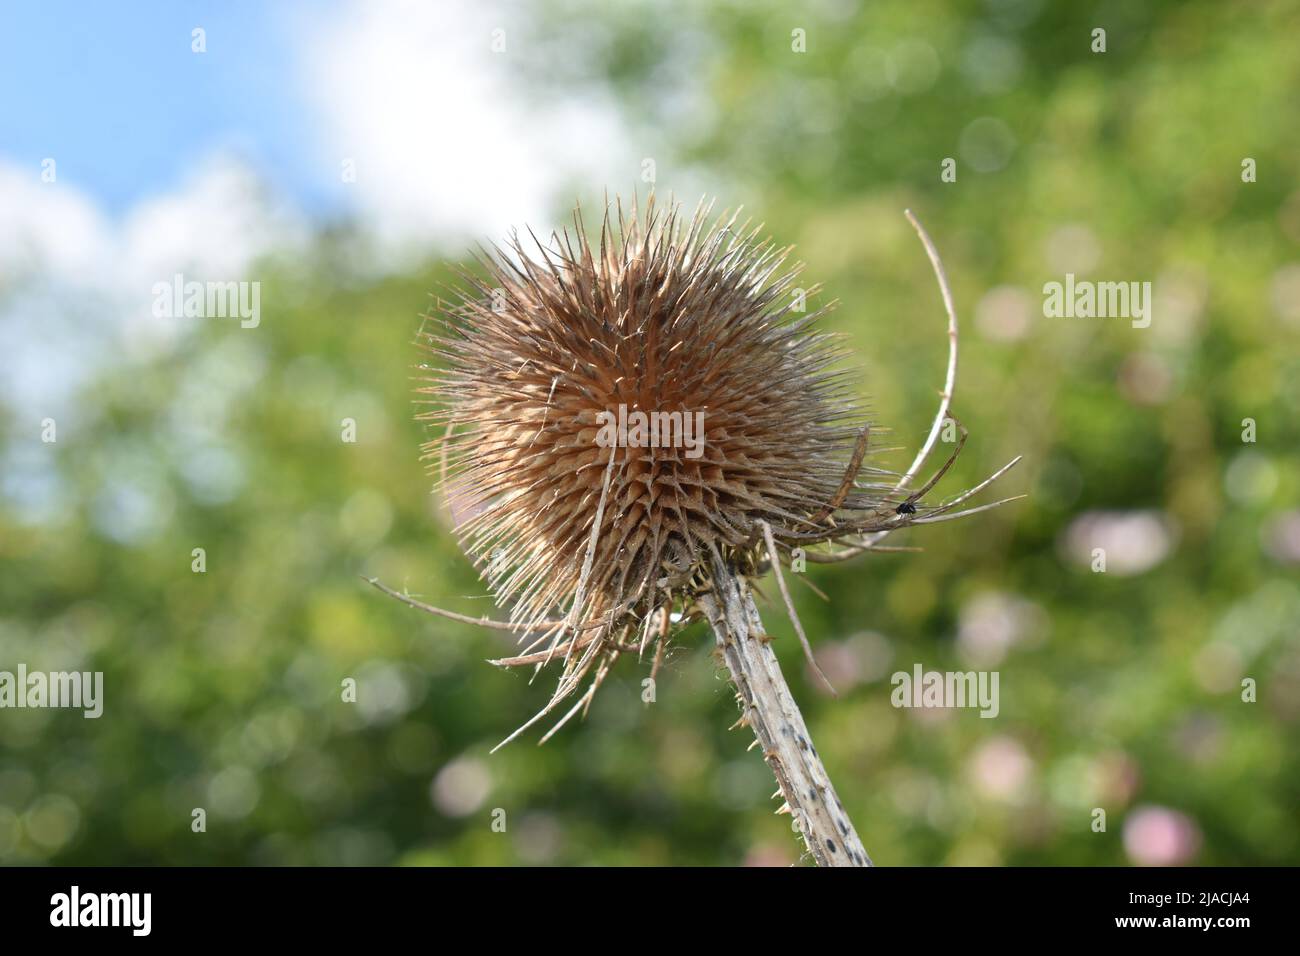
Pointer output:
x,y
906,508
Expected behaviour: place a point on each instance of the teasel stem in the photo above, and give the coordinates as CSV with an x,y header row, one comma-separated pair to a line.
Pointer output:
x,y
769,709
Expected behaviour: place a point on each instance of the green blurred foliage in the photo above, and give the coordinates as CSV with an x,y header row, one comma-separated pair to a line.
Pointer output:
x,y
1119,691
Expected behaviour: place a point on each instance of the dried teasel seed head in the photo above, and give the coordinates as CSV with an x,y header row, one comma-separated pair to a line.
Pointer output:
x,y
547,358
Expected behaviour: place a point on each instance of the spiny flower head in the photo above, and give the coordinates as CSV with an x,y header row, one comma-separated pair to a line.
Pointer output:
x,y
618,411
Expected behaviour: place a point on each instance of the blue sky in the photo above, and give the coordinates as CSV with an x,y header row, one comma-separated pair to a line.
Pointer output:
x,y
170,160
116,95
445,138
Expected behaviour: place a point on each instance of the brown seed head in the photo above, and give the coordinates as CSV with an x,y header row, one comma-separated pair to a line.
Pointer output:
x,y
696,326
622,418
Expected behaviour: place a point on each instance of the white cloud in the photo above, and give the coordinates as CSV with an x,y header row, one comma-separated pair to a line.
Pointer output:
x,y
77,287
215,223
444,144
49,229
216,226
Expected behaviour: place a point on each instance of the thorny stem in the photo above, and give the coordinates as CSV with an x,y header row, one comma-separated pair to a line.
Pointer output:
x,y
768,708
